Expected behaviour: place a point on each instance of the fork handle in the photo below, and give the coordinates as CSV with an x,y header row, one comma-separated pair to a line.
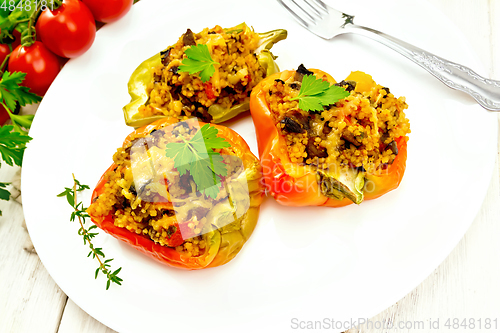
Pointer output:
x,y
485,91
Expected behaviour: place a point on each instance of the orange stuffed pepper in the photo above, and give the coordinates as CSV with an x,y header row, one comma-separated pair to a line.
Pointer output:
x,y
183,192
323,143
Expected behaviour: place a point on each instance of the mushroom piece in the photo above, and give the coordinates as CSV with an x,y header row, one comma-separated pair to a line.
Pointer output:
x,y
300,72
188,38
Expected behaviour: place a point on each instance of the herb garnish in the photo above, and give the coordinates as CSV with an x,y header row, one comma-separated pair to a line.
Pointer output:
x,y
81,214
12,145
12,93
315,93
197,156
4,194
11,90
198,61
13,138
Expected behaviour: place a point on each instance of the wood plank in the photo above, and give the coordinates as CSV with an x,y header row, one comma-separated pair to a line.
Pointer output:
x,y
75,319
30,299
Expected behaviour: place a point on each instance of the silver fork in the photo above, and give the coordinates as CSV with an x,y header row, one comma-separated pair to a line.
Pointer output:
x,y
327,22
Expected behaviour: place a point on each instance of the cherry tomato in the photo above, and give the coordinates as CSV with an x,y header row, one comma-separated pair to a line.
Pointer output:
x,y
4,51
40,65
108,10
4,116
69,30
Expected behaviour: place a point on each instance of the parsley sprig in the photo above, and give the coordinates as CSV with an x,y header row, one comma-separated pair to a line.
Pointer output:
x,y
13,94
200,61
80,213
315,93
12,145
4,194
13,138
197,156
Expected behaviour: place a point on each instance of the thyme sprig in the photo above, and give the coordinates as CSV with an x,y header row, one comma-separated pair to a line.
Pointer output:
x,y
80,214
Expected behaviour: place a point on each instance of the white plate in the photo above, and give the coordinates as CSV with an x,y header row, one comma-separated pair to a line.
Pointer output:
x,y
303,263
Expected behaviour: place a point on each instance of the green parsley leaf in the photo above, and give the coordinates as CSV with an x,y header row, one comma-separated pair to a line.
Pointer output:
x,y
197,156
11,94
12,145
21,121
315,93
12,91
200,61
4,194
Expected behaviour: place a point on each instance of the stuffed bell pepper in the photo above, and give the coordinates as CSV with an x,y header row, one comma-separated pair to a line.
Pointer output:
x,y
323,143
186,193
208,75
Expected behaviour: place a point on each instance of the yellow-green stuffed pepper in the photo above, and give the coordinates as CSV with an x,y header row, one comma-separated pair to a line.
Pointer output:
x,y
164,85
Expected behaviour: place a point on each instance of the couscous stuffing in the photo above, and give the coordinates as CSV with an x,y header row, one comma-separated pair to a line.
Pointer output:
x,y
357,132
237,70
146,195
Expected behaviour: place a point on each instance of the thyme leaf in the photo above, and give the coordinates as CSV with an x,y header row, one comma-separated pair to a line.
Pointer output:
x,y
80,214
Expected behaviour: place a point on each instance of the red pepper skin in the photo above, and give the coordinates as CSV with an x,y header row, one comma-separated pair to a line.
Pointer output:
x,y
209,90
292,184
221,247
145,245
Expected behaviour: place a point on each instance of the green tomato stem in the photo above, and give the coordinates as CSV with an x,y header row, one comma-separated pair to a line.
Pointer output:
x,y
4,63
29,35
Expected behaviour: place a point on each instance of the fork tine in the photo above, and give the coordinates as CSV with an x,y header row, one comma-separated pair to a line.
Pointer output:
x,y
316,11
297,17
321,4
303,10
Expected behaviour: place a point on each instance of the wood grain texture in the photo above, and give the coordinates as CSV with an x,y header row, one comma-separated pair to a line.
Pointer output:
x,y
465,285
75,319
30,301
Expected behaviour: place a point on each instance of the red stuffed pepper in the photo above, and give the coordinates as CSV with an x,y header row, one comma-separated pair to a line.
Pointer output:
x,y
184,192
349,151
